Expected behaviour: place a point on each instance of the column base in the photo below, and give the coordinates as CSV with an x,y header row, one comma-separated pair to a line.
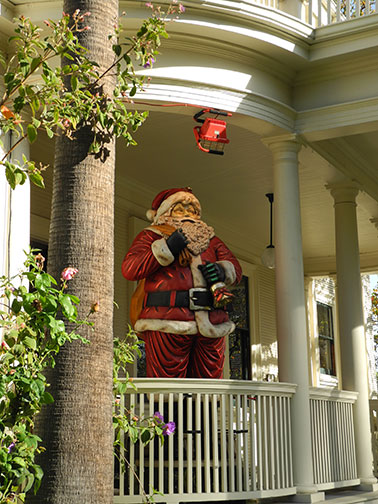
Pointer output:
x,y
308,497
367,486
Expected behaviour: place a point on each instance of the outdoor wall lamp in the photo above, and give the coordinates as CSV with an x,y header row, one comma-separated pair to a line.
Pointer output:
x,y
211,137
268,256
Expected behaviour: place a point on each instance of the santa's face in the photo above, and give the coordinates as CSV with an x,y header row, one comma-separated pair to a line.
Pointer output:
x,y
185,212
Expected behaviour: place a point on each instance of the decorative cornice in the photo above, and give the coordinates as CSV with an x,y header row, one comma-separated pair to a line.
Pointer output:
x,y
273,112
353,117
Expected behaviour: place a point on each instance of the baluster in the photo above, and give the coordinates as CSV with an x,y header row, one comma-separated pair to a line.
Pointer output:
x,y
246,443
141,449
189,443
180,440
238,432
231,447
171,440
161,450
151,451
198,435
223,434
206,442
214,411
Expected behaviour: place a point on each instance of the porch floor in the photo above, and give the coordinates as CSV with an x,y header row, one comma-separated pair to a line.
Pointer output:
x,y
337,497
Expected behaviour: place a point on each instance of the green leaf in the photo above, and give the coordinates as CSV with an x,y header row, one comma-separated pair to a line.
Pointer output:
x,y
30,343
49,132
74,82
16,306
37,179
47,398
117,49
30,482
32,133
68,308
9,173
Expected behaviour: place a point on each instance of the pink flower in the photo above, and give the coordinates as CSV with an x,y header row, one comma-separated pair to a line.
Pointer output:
x,y
149,4
68,273
181,8
4,345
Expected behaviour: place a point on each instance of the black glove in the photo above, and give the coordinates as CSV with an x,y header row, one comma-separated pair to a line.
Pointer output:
x,y
212,272
177,242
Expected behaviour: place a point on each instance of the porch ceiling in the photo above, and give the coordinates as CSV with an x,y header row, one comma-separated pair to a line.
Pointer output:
x,y
232,187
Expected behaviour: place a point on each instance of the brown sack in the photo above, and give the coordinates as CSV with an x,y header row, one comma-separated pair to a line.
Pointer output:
x,y
136,303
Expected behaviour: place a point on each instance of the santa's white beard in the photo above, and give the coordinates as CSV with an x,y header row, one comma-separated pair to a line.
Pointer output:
x,y
197,232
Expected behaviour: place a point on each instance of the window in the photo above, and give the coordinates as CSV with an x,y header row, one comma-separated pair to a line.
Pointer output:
x,y
239,341
326,339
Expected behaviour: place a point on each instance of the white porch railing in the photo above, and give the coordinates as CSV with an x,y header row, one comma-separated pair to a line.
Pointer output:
x,y
232,441
325,12
320,12
374,432
333,447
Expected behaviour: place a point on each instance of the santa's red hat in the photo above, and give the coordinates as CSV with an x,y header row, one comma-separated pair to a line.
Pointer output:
x,y
169,197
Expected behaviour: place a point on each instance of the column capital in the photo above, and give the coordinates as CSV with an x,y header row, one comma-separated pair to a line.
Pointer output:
x,y
283,143
344,192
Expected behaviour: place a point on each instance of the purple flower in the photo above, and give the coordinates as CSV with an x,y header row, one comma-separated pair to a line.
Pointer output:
x,y
169,428
158,416
149,63
11,446
181,8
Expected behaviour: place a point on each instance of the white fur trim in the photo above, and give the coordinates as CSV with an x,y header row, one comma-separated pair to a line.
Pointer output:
x,y
176,198
162,253
206,328
198,278
229,270
150,214
168,326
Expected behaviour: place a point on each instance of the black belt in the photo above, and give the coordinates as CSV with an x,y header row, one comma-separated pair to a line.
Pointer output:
x,y
195,299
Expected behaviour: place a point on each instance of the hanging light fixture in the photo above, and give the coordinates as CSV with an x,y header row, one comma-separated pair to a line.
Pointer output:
x,y
211,137
268,256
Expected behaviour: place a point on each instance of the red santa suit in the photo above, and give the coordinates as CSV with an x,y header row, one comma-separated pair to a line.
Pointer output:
x,y
184,335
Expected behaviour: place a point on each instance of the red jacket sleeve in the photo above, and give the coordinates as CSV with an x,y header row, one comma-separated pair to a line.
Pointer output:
x,y
139,261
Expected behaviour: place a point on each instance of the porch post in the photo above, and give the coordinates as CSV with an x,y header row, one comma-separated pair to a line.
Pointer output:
x,y
15,219
354,372
291,308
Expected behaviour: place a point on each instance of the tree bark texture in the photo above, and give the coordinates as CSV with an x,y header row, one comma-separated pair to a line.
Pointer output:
x,y
77,428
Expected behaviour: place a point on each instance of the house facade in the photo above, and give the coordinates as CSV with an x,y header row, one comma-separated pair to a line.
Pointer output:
x,y
291,419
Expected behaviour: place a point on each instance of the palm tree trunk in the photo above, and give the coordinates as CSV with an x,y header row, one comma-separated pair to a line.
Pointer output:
x,y
77,428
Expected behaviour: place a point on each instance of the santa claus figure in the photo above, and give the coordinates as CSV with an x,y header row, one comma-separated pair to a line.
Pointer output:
x,y
183,270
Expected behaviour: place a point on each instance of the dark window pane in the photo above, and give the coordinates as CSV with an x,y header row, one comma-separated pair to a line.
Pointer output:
x,y
326,339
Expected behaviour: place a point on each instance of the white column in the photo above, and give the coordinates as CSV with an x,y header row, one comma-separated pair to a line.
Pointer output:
x,y
351,324
19,235
14,218
291,308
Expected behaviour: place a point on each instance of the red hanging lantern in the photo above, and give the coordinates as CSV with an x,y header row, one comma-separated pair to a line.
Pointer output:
x,y
211,137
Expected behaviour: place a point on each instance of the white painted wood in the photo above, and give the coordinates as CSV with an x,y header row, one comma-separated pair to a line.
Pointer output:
x,y
180,436
171,440
161,451
132,449
239,442
198,456
189,441
223,426
215,455
333,440
206,439
151,451
141,448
